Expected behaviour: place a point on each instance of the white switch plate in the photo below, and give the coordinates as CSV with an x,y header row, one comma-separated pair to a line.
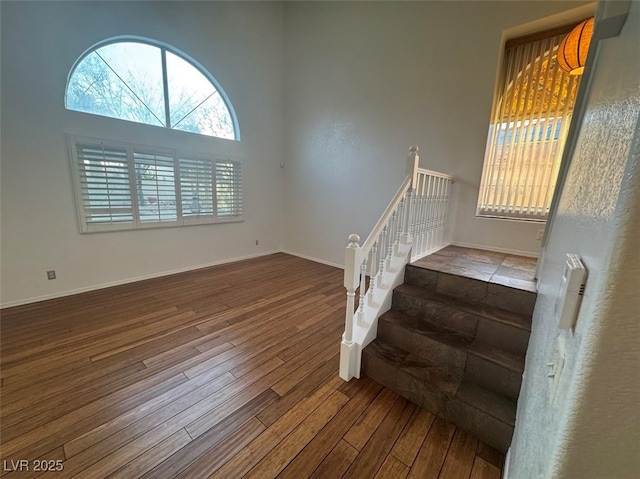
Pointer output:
x,y
570,292
555,368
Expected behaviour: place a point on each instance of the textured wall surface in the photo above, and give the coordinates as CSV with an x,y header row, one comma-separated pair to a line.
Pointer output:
x,y
364,81
240,43
592,429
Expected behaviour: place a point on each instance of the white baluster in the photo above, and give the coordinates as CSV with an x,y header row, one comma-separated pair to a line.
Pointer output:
x,y
363,285
430,215
423,215
382,249
373,273
415,232
445,206
400,221
390,242
414,215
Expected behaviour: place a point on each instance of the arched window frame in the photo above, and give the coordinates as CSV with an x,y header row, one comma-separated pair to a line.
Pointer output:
x,y
164,47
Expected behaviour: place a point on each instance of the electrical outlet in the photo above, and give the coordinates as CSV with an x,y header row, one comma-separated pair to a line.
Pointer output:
x,y
539,235
257,242
51,274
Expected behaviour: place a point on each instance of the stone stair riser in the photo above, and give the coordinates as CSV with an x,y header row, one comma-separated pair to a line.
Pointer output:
x,y
472,290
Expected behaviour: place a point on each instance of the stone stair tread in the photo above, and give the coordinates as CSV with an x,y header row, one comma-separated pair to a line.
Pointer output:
x,y
387,352
491,403
479,309
498,356
456,340
418,367
438,333
454,387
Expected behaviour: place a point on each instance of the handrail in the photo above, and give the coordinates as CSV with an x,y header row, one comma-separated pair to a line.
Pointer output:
x,y
412,226
384,219
437,174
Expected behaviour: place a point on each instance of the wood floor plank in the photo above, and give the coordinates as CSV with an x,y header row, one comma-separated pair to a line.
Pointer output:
x,y
48,400
460,457
143,463
226,371
433,451
337,461
410,441
325,441
263,444
176,463
189,393
484,470
367,423
211,461
29,439
392,468
381,442
304,387
284,452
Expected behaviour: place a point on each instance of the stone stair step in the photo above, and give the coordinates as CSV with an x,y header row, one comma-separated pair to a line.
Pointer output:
x,y
490,324
487,416
462,401
495,313
409,333
509,295
498,370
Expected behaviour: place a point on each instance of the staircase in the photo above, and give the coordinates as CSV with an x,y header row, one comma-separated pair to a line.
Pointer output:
x,y
455,338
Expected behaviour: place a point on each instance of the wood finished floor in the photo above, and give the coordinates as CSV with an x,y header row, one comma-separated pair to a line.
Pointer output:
x,y
224,372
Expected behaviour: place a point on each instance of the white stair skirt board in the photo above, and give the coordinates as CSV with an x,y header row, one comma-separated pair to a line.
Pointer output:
x,y
365,331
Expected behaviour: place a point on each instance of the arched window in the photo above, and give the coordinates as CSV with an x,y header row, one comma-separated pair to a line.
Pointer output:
x,y
151,83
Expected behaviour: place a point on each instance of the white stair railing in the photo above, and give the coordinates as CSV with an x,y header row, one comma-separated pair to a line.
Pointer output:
x,y
412,226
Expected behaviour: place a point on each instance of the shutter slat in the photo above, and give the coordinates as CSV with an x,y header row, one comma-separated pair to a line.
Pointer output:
x,y
196,186
104,183
155,185
126,187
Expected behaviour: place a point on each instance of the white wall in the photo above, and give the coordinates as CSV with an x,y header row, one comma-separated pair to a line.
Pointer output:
x,y
240,43
593,428
364,81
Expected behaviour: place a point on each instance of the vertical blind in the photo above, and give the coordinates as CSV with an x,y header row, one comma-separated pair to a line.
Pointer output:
x,y
122,186
529,123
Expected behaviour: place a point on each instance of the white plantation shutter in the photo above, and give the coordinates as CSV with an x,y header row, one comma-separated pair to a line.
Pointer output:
x,y
156,187
103,186
529,124
123,186
196,189
228,188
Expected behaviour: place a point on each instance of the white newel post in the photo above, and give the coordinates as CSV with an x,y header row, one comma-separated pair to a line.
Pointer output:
x,y
413,162
348,349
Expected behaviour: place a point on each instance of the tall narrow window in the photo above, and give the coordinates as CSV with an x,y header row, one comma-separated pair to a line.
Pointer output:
x,y
147,83
529,123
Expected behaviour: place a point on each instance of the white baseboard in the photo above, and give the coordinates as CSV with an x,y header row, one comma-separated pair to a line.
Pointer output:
x,y
497,250
310,258
505,468
132,280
